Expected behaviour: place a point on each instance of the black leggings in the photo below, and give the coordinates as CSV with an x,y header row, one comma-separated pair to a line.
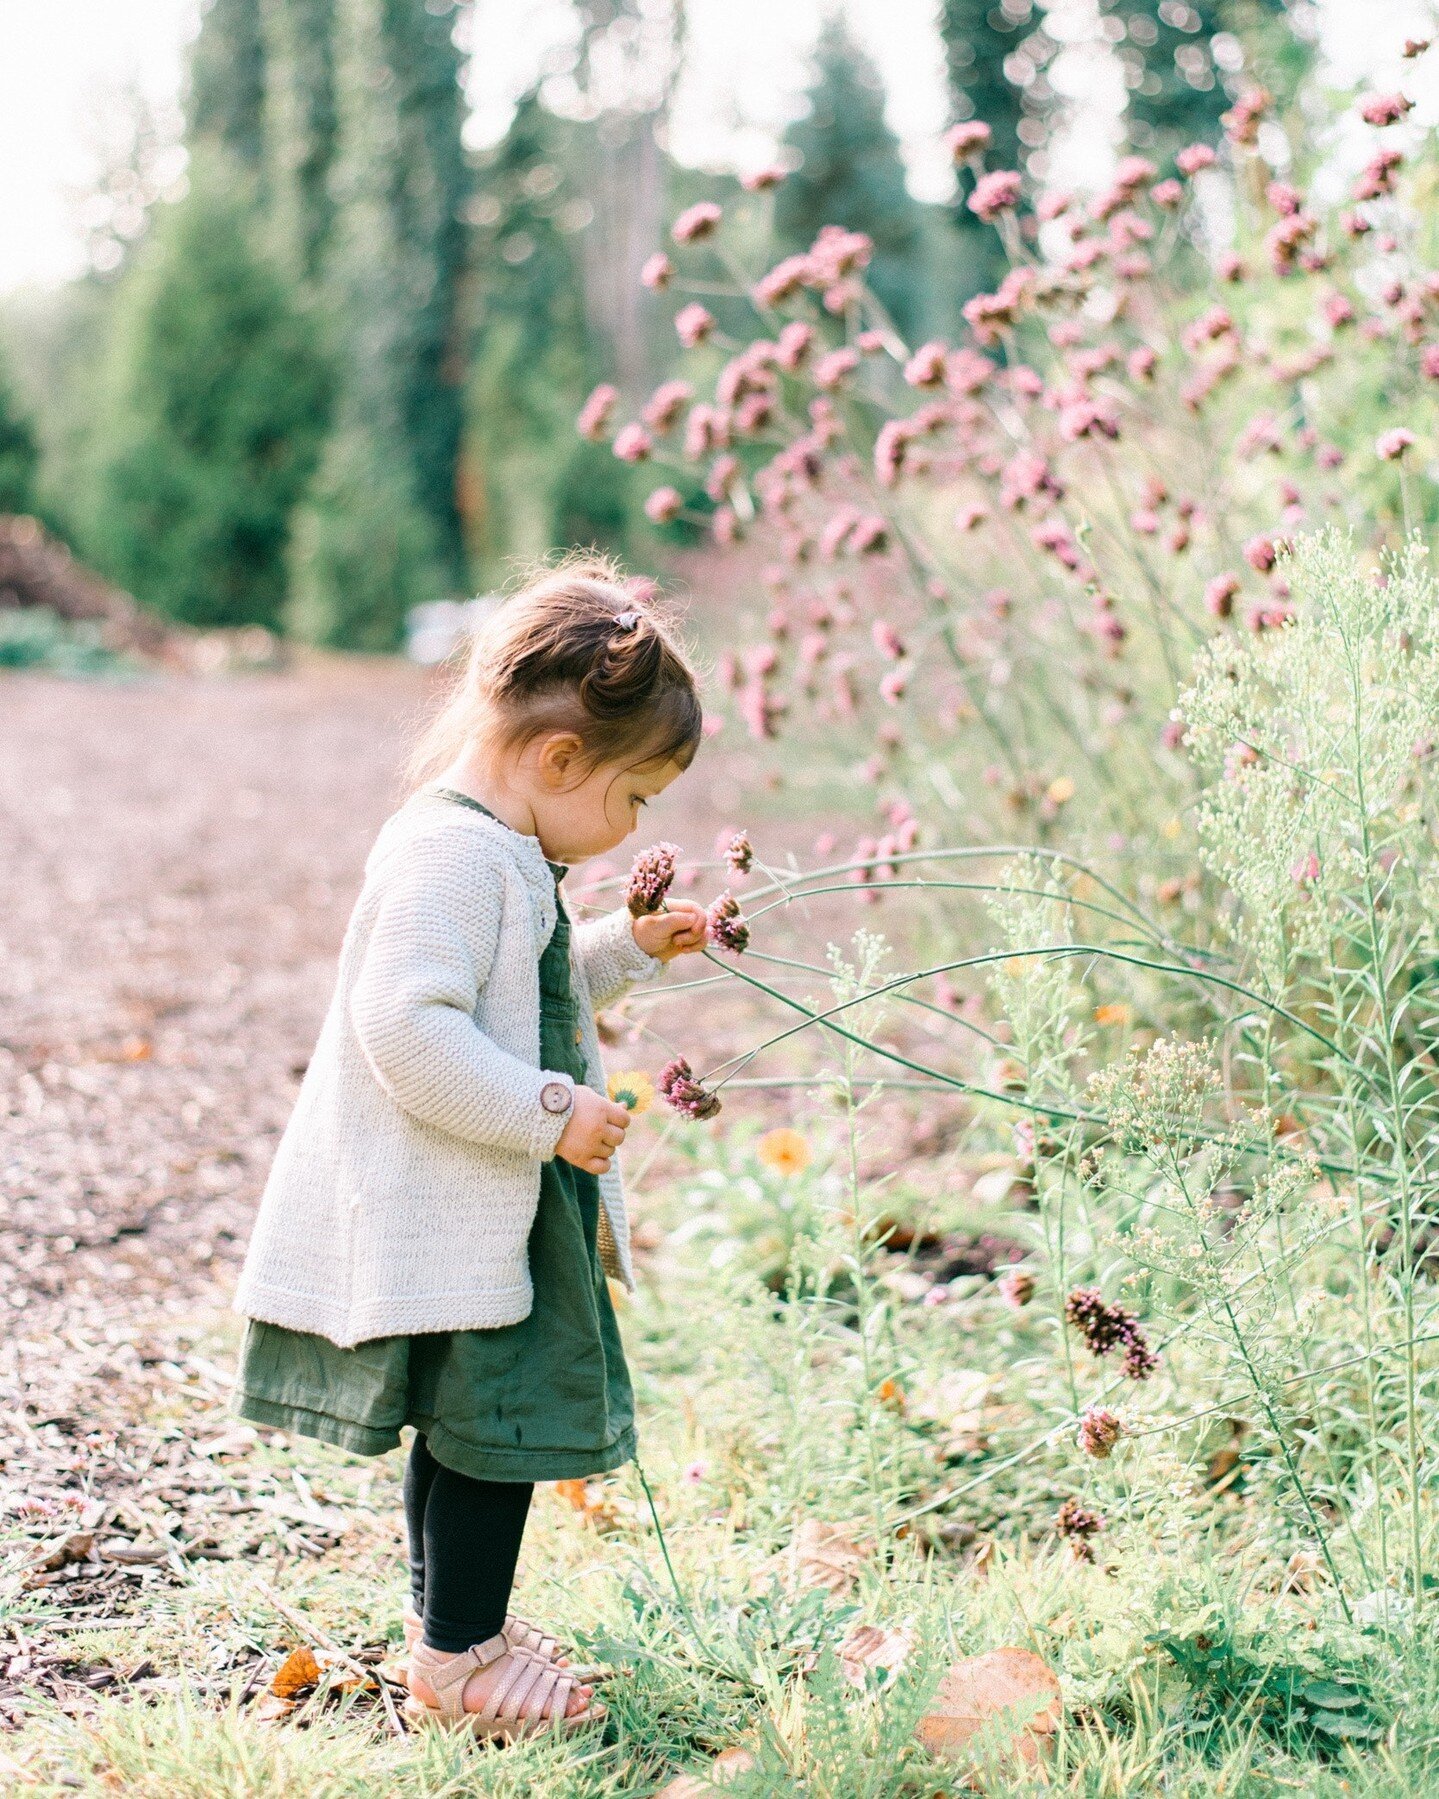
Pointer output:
x,y
464,1546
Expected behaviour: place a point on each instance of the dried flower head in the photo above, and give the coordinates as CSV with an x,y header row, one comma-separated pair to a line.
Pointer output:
x,y
1105,1327
738,852
651,878
1077,1524
1016,1288
1099,1431
728,928
688,1096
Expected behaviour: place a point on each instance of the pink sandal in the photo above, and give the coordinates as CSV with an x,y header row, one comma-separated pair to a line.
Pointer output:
x,y
529,1697
519,1634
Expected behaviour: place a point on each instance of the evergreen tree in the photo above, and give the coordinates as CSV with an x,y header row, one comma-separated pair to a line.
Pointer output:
x,y
19,457
227,81
300,128
208,431
1177,93
852,173
995,59
394,278
536,482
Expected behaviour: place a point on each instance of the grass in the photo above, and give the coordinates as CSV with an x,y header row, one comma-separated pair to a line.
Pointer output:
x,y
759,1410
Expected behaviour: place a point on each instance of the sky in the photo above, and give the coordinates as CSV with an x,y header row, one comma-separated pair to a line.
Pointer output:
x,y
64,62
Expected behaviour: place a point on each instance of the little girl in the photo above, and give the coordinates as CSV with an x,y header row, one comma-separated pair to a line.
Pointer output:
x,y
433,1243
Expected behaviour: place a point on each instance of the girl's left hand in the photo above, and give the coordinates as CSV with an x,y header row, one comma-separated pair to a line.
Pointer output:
x,y
679,930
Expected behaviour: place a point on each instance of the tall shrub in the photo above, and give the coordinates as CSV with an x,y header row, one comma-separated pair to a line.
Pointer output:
x,y
211,416
19,456
300,128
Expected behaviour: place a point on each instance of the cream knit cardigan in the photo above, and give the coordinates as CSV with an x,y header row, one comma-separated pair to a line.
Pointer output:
x,y
405,1185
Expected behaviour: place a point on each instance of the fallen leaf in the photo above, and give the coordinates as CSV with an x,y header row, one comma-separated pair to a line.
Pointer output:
x,y
825,1557
728,1765
74,1548
869,1650
297,1674
269,1707
1011,1695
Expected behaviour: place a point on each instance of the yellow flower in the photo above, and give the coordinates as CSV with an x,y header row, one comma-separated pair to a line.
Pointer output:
x,y
634,1089
784,1150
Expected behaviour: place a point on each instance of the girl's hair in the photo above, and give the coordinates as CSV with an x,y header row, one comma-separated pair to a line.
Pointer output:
x,y
575,648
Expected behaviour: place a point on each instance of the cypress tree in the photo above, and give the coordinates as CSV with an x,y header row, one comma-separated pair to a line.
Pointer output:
x,y
538,483
212,410
852,173
393,281
19,457
1177,92
227,81
300,128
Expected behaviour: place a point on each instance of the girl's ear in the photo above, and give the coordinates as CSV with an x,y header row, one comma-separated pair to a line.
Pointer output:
x,y
558,758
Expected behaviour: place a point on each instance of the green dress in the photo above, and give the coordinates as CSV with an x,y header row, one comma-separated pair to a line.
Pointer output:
x,y
548,1398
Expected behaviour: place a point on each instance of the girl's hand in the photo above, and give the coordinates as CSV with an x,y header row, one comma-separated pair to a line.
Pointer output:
x,y
679,930
595,1130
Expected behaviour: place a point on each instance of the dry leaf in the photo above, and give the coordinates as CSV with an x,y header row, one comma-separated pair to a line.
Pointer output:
x,y
868,1650
1012,1695
728,1765
74,1548
297,1674
825,1557
269,1708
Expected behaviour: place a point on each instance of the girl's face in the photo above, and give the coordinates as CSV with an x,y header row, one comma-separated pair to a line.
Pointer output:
x,y
581,811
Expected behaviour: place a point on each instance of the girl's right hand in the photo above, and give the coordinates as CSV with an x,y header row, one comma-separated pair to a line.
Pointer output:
x,y
595,1130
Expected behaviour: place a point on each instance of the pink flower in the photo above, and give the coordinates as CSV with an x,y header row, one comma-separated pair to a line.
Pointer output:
x,y
1242,119
1337,310
836,253
835,365
967,517
728,929
889,451
1099,1431
1167,194
696,222
1429,362
1133,172
1172,736
1141,363
1377,178
1195,157
1219,595
886,639
968,139
1305,871
666,403
760,181
1414,46
633,443
651,877
693,324
664,504
783,281
926,367
737,851
594,416
1053,205
658,272
677,1084
793,345
869,536
1230,267
1385,109
994,193
1261,553
1389,446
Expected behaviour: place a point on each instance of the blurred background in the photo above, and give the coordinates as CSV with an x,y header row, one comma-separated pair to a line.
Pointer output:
x,y
299,298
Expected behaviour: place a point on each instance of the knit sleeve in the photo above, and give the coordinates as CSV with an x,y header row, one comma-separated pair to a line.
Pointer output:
x,y
412,1006
605,952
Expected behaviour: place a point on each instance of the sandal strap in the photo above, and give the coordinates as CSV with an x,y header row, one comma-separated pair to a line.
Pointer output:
x,y
449,1678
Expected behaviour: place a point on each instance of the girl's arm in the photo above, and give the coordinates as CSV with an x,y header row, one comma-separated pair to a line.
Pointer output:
x,y
607,956
412,1006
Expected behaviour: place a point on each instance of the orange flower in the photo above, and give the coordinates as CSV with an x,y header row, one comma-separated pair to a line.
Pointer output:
x,y
633,1089
784,1150
1115,1013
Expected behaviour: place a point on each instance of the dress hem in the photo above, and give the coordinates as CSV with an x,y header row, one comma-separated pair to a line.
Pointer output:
x,y
450,1451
